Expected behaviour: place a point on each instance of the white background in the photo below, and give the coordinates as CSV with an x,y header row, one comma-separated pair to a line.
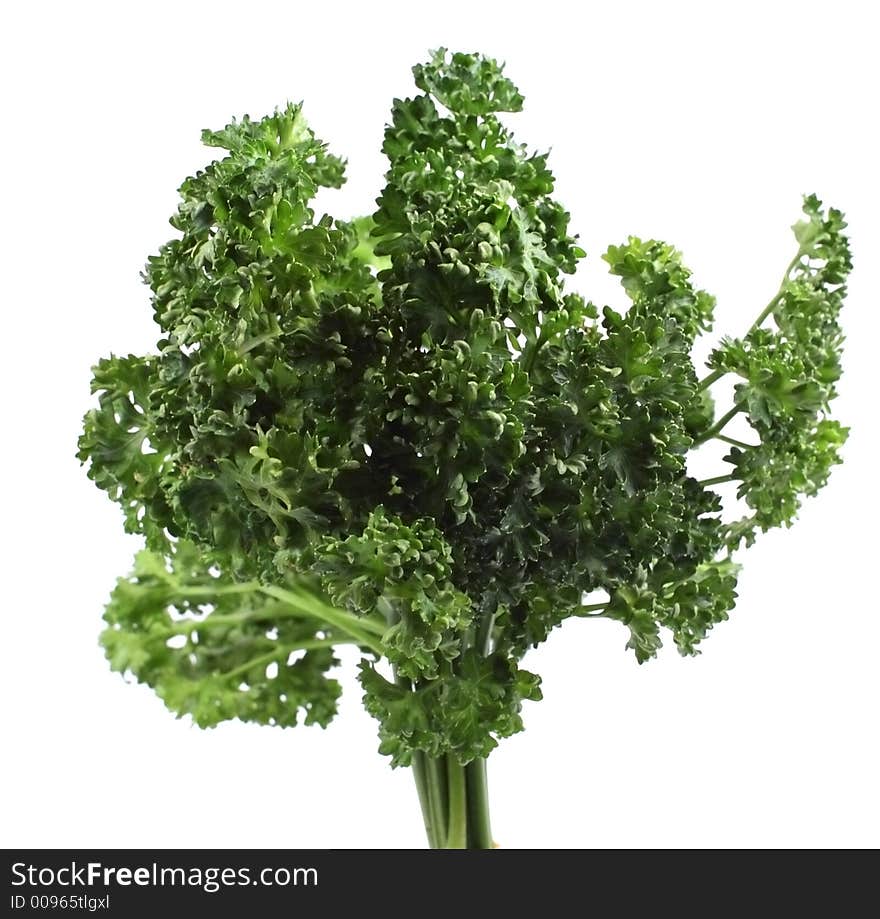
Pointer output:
x,y
701,124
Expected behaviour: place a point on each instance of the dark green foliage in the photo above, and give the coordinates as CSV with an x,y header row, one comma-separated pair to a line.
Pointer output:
x,y
402,433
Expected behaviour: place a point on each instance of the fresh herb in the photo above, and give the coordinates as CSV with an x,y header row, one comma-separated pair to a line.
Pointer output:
x,y
400,433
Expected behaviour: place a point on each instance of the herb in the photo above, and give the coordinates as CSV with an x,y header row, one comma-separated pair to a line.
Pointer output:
x,y
400,433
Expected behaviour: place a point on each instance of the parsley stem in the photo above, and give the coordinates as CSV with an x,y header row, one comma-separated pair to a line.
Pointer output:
x,y
710,379
735,443
718,479
768,309
589,608
301,602
277,653
185,626
363,629
719,425
311,606
419,768
221,590
485,632
435,772
456,835
479,825
421,777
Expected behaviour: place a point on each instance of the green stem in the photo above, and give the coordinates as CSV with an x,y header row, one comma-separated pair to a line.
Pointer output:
x,y
719,425
312,605
221,590
591,608
484,633
718,480
277,653
301,603
435,774
768,309
421,776
457,831
710,379
479,826
185,626
734,442
352,625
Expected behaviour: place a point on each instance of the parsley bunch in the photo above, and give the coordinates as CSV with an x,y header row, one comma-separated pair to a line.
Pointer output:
x,y
401,433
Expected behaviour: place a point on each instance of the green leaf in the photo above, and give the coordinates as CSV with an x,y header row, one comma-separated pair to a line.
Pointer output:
x,y
216,649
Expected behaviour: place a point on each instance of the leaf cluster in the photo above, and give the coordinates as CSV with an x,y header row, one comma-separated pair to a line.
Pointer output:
x,y
403,433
